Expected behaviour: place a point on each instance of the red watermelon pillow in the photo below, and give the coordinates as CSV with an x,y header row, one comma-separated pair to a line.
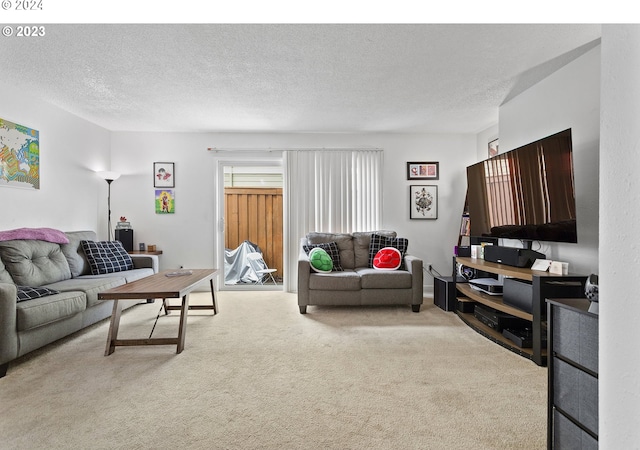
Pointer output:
x,y
387,258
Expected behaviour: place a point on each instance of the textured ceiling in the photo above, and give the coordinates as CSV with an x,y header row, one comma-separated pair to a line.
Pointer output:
x,y
289,78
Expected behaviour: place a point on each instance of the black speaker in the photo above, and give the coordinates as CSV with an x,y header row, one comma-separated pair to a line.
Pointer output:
x,y
126,237
511,256
443,293
518,293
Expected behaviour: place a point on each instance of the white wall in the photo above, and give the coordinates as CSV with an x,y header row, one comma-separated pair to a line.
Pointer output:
x,y
187,238
619,250
71,196
569,98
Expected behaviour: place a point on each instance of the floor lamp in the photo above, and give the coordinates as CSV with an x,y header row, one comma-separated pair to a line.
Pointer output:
x,y
109,177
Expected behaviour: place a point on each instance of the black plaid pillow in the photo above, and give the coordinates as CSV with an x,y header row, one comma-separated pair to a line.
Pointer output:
x,y
106,256
29,293
332,249
378,242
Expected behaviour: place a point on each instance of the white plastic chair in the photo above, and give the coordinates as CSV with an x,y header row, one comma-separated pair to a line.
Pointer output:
x,y
260,268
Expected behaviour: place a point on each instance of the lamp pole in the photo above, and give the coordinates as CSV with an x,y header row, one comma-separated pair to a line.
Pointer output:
x,y
109,177
109,210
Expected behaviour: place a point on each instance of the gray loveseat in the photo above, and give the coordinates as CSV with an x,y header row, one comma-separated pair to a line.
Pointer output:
x,y
358,283
30,324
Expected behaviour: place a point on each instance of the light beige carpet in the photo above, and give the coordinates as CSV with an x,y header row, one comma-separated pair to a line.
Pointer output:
x,y
259,375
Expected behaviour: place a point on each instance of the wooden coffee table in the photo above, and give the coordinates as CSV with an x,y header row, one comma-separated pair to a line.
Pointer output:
x,y
161,285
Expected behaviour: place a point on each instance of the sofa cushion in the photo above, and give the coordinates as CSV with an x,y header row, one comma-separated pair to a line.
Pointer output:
x,y
384,279
388,258
127,275
29,293
106,256
343,241
74,253
34,263
5,277
89,286
361,242
378,242
347,280
50,308
332,250
320,260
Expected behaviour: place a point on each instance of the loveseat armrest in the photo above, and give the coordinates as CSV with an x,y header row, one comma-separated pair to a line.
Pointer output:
x,y
8,325
304,272
146,262
413,265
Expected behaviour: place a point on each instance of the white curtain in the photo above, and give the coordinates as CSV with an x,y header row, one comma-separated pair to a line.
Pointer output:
x,y
329,190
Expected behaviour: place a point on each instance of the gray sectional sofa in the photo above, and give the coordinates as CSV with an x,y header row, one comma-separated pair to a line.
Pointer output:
x,y
29,324
358,283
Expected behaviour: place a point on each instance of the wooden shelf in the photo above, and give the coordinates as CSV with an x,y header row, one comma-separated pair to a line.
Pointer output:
x,y
497,337
492,301
502,269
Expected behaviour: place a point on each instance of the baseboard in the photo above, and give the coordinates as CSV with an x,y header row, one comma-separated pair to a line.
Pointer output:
x,y
427,291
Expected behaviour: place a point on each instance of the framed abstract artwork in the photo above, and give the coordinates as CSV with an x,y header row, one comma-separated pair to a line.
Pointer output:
x,y
423,202
19,156
164,174
423,170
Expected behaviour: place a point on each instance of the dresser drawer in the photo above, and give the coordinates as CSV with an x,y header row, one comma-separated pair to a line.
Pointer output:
x,y
568,436
575,336
576,393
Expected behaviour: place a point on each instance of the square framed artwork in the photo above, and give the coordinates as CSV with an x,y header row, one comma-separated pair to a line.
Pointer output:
x,y
164,174
423,170
423,202
165,201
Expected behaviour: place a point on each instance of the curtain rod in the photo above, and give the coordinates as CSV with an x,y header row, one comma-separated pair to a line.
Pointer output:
x,y
271,149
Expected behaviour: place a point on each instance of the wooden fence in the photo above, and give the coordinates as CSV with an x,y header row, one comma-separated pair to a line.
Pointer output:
x,y
255,214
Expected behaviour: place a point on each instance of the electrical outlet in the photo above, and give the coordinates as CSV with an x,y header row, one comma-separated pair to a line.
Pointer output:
x,y
430,267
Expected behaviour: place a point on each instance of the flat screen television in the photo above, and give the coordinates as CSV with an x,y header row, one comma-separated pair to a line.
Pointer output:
x,y
526,194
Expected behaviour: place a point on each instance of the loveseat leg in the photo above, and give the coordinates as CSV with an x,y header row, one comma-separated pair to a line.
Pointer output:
x,y
3,369
303,309
415,308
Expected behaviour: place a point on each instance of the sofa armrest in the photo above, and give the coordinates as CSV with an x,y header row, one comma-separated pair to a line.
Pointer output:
x,y
8,325
304,272
413,265
146,262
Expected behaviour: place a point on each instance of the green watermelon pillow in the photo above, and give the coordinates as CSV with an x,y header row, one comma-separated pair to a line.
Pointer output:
x,y
320,260
387,258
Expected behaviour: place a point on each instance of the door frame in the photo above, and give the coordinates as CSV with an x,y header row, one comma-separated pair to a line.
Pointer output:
x,y
246,159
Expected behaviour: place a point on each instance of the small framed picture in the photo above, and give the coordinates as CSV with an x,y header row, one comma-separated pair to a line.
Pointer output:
x,y
423,202
165,201
163,174
493,148
423,170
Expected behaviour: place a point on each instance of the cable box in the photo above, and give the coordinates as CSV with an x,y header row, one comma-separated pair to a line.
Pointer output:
x,y
497,319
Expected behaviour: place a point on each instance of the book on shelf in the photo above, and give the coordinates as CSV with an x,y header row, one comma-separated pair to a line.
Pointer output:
x,y
465,226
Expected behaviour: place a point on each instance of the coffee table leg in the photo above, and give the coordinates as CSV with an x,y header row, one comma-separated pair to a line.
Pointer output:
x,y
184,310
213,298
113,328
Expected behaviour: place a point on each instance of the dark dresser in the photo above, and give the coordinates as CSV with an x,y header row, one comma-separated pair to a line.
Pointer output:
x,y
573,375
